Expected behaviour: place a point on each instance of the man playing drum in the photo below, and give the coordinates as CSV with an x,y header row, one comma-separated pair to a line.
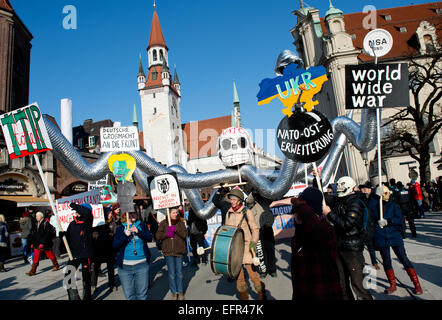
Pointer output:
x,y
236,215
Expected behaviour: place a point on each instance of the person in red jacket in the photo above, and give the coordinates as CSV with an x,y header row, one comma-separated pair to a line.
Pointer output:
x,y
418,197
315,275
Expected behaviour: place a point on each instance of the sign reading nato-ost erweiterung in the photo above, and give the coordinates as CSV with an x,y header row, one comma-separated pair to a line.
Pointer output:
x,y
119,139
305,136
165,191
25,132
376,86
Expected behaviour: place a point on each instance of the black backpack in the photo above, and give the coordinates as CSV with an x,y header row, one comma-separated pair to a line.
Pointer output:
x,y
369,224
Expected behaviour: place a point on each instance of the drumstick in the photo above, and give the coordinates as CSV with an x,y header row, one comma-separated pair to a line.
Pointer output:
x,y
255,258
200,251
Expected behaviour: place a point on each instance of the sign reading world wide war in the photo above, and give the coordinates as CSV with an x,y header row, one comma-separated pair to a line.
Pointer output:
x,y
25,132
305,137
376,86
164,191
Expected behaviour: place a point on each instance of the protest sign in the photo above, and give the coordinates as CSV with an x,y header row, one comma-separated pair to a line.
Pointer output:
x,y
98,184
376,86
378,42
119,139
305,136
284,224
25,132
66,214
295,84
164,191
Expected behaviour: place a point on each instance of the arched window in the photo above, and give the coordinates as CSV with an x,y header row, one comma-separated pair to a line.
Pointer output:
x,y
161,55
155,56
429,45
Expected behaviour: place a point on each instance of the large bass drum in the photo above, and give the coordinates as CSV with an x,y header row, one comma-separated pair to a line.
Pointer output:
x,y
227,251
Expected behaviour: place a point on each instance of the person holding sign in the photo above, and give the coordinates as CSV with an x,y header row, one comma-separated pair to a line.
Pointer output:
x,y
79,237
133,256
387,234
42,234
173,246
239,215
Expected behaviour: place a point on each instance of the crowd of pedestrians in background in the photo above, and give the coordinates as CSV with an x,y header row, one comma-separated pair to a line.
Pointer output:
x,y
332,230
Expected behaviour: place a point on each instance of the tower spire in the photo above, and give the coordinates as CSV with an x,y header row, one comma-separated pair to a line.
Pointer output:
x,y
156,33
236,118
135,117
141,69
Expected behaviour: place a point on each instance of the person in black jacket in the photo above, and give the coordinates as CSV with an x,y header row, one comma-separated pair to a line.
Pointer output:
x,y
79,237
403,200
347,218
220,201
42,235
102,238
197,230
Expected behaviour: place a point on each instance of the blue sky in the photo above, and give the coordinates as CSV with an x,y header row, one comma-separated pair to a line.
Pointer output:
x,y
212,43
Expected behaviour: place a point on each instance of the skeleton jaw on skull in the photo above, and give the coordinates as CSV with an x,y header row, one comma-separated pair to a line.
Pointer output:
x,y
235,147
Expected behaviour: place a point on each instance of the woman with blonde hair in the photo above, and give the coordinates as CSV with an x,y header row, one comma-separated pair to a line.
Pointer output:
x,y
4,234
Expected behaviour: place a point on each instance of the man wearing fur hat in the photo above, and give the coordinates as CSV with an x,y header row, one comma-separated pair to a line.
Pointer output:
x,y
238,215
42,234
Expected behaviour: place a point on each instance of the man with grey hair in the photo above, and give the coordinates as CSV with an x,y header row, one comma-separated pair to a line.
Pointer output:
x,y
42,234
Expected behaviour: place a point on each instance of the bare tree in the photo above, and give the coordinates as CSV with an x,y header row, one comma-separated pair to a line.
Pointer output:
x,y
412,129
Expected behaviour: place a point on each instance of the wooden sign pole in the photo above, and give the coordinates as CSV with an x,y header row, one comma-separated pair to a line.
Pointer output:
x,y
54,210
318,181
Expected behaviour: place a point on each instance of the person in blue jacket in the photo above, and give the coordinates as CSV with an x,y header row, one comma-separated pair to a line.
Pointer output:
x,y
388,234
133,256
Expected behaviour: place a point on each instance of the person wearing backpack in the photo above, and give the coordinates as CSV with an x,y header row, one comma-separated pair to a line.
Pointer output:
x,y
369,200
388,235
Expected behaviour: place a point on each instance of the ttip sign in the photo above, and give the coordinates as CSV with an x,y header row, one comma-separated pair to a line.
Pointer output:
x,y
25,132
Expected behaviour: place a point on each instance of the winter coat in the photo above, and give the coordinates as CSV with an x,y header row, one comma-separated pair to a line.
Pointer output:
x,y
79,233
416,191
348,219
121,240
260,208
102,238
175,246
314,270
402,199
42,234
390,235
196,224
4,234
25,226
248,226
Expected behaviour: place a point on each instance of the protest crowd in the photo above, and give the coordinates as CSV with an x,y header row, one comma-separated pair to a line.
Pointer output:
x,y
332,230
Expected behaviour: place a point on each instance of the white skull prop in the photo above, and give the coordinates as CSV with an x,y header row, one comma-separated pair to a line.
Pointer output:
x,y
235,147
